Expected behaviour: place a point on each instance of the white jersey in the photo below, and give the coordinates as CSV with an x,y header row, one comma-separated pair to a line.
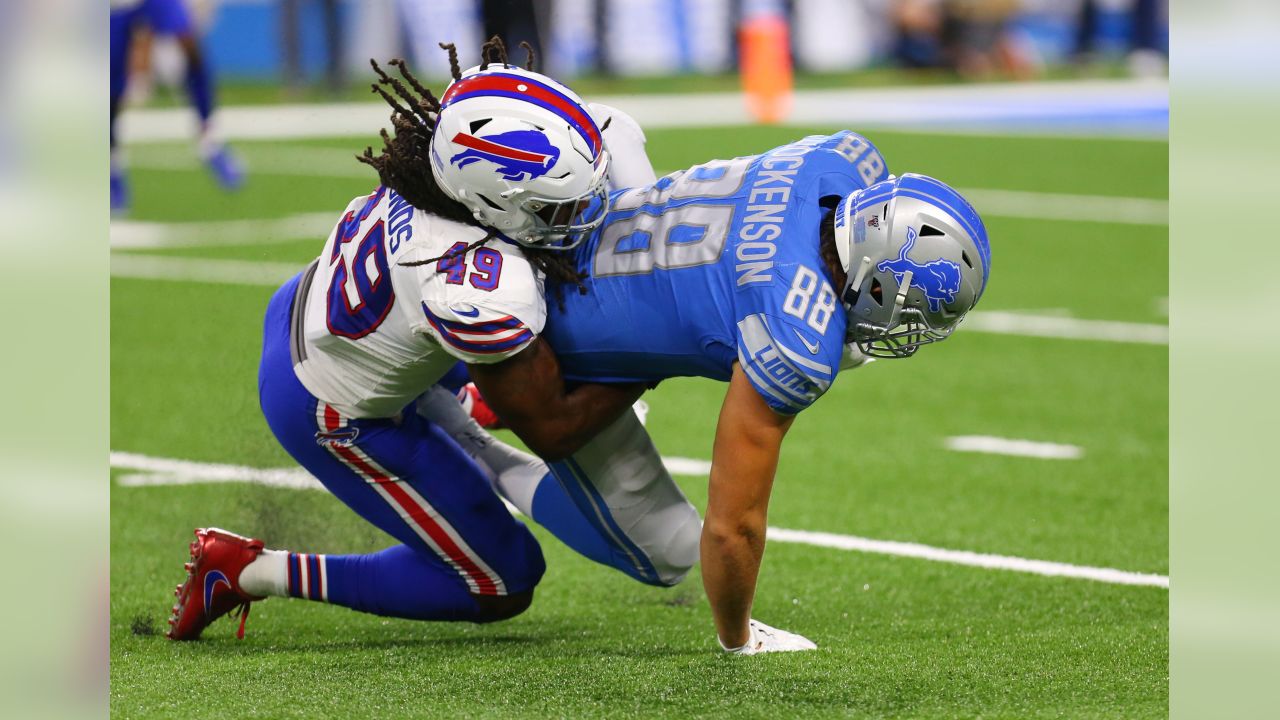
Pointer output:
x,y
370,334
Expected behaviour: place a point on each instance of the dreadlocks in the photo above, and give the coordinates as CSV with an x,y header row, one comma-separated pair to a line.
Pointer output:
x,y
404,164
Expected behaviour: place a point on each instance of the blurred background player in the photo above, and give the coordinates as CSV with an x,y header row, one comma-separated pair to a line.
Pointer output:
x,y
166,18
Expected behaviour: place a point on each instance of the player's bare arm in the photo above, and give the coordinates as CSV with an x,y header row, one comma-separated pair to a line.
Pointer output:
x,y
529,394
748,437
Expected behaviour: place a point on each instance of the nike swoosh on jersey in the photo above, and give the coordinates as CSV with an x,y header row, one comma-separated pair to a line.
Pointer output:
x,y
811,347
473,312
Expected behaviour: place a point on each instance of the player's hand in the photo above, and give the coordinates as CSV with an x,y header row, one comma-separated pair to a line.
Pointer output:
x,y
764,639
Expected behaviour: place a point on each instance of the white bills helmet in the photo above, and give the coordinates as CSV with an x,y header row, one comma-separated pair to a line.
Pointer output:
x,y
523,154
917,259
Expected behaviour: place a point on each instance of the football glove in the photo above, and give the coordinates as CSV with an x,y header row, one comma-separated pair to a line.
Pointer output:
x,y
763,639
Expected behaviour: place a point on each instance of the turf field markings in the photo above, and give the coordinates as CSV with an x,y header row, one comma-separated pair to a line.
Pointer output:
x,y
271,274
142,235
330,162
1060,206
1048,326
965,557
1091,107
134,235
687,466
227,272
1016,448
151,471
262,159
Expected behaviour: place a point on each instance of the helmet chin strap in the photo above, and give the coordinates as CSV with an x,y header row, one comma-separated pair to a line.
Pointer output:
x,y
900,299
863,268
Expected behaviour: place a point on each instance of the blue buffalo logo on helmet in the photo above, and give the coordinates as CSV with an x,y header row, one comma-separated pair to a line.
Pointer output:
x,y
939,279
518,154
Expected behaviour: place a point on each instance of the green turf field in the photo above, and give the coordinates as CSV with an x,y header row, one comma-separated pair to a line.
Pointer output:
x,y
898,637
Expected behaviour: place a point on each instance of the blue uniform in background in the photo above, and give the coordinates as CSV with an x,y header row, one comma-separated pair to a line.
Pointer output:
x,y
716,264
165,17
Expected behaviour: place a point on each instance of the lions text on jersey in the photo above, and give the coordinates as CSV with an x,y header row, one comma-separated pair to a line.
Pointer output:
x,y
372,333
716,264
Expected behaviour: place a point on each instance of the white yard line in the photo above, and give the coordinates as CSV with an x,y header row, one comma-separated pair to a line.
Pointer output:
x,y
270,274
139,235
1016,448
165,471
1079,208
134,235
263,158
227,272
1008,323
1061,107
965,557
169,471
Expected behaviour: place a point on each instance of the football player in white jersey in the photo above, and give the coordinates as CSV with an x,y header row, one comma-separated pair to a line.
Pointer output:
x,y
407,285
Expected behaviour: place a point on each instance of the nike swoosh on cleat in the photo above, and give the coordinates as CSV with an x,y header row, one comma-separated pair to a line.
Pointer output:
x,y
217,576
474,312
812,347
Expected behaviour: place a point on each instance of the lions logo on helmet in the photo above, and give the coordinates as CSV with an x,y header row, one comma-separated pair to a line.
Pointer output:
x,y
939,279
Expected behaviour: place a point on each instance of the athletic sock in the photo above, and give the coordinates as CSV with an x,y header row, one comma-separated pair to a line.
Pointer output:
x,y
200,88
267,575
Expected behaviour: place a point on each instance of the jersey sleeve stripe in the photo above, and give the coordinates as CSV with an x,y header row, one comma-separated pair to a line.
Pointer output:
x,y
495,341
489,327
779,402
786,385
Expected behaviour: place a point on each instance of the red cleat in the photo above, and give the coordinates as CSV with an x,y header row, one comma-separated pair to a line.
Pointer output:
x,y
212,588
473,402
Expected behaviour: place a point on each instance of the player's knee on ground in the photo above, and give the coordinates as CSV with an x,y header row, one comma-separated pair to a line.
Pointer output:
x,y
502,607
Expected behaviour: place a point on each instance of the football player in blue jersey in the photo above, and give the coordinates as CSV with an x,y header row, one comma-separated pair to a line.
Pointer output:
x,y
771,272
173,19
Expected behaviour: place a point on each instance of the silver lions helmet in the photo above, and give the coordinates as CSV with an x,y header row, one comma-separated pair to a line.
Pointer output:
x,y
917,260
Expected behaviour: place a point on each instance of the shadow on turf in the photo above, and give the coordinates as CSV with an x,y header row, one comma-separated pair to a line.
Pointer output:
x,y
567,646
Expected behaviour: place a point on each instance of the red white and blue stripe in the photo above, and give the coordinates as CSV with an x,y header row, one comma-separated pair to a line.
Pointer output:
x,y
520,87
307,577
435,531
481,338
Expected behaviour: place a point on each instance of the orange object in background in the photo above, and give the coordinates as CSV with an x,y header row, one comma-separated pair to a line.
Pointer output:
x,y
766,67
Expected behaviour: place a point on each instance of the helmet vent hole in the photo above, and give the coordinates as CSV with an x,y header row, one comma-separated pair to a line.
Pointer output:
x,y
877,291
477,124
489,202
929,230
965,257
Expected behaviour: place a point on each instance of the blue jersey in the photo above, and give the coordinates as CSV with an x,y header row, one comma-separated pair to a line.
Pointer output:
x,y
716,264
